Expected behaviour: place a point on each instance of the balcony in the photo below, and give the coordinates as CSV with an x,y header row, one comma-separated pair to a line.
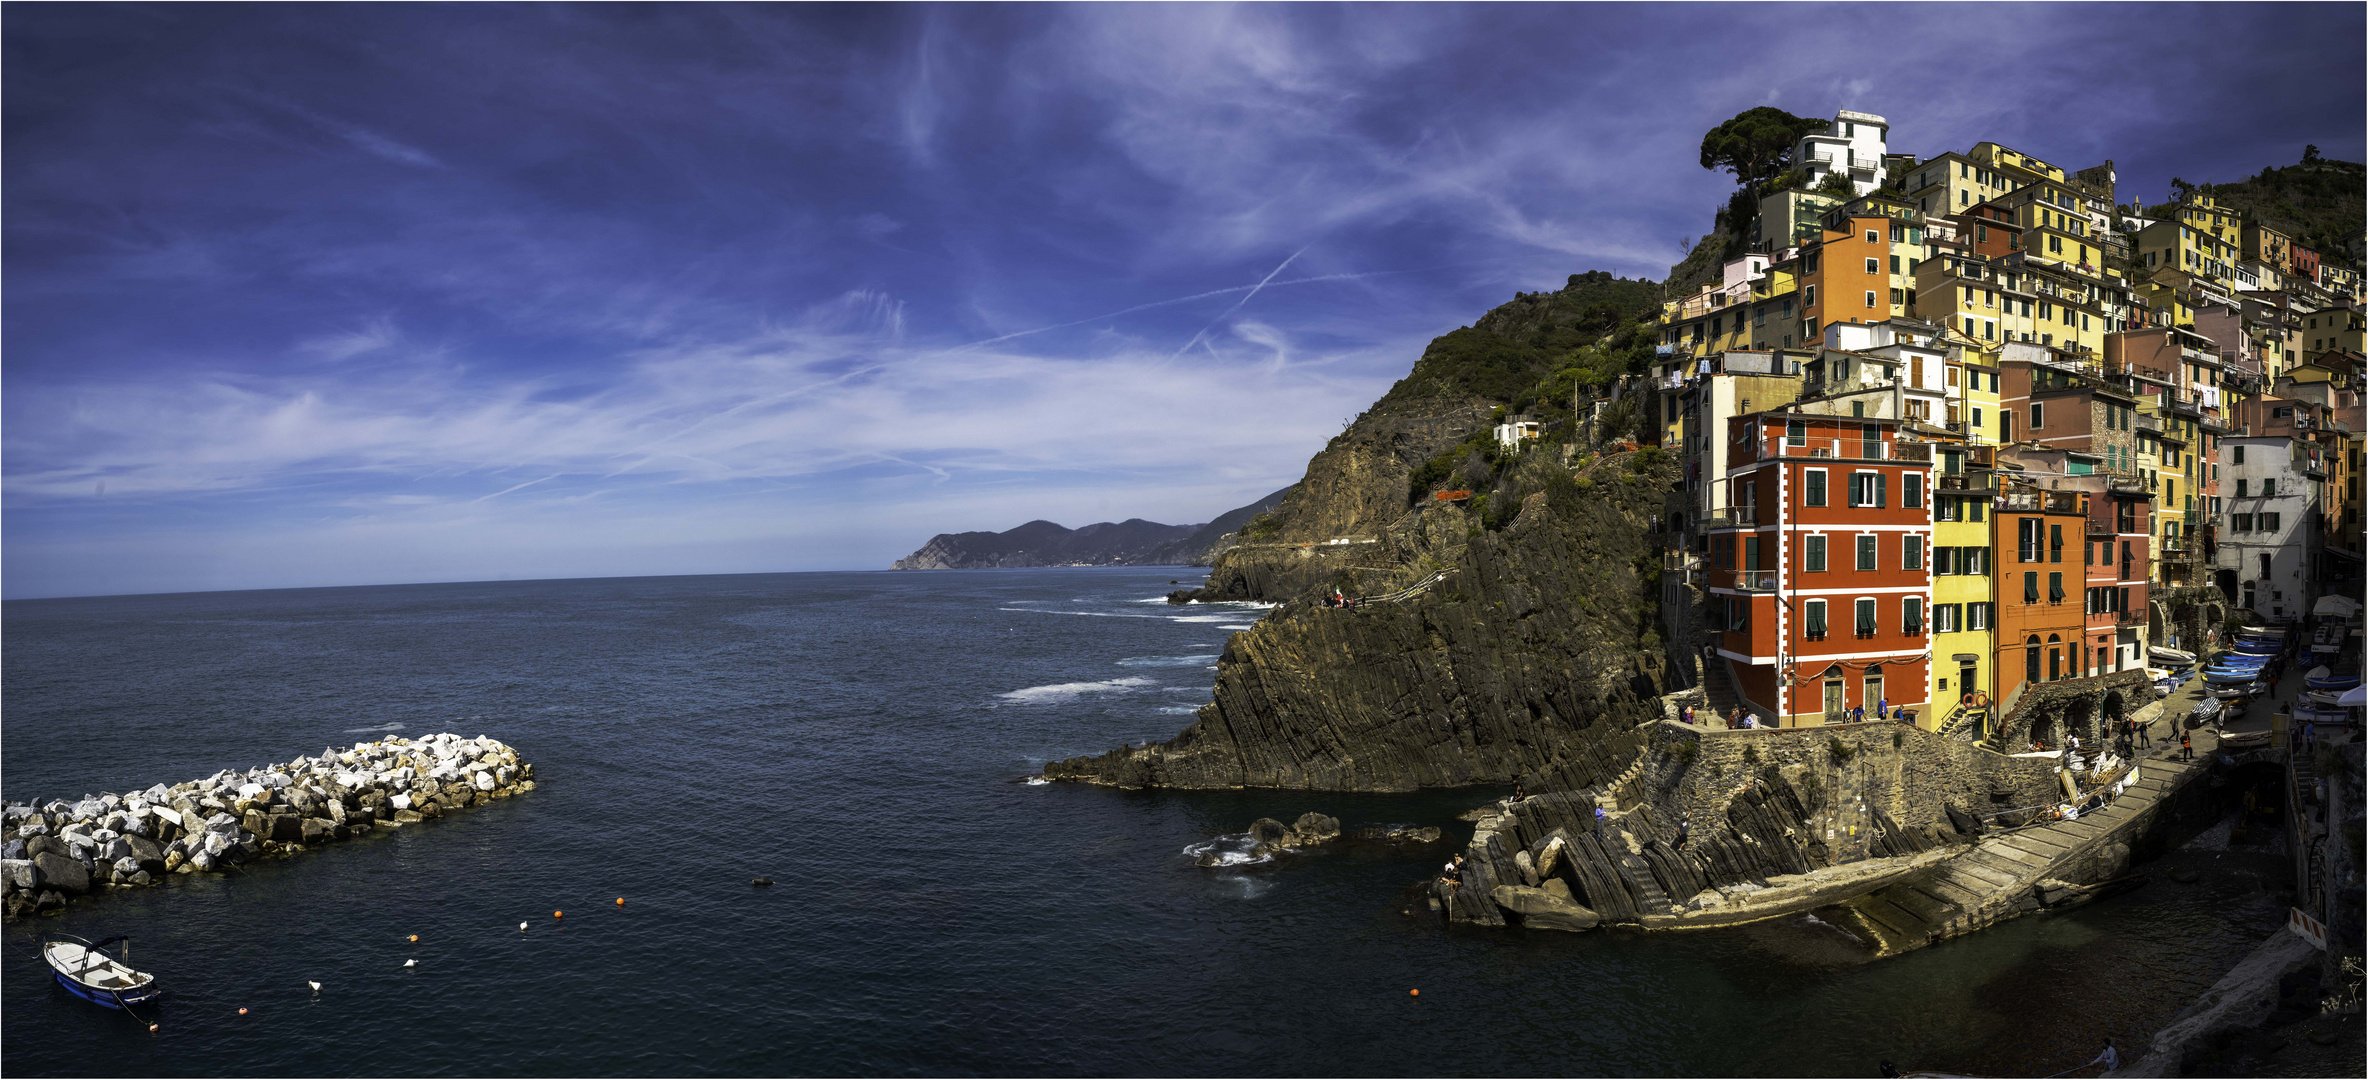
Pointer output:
x,y
1733,517
1777,446
1756,582
2049,502
2125,483
1966,482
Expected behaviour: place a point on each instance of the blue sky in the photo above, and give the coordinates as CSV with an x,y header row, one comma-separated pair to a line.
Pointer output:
x,y
340,295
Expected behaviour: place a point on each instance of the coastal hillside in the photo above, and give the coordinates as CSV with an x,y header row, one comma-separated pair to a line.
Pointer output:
x,y
1133,542
2317,202
1517,636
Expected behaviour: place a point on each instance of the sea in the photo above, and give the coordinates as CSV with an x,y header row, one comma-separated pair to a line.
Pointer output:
x,y
867,742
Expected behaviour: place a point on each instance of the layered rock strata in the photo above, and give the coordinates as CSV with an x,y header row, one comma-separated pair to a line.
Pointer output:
x,y
1532,660
56,849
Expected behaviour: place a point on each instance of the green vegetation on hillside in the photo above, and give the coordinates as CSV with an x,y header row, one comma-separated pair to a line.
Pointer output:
x,y
1535,349
2317,202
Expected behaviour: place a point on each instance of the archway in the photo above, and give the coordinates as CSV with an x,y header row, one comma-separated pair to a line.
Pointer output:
x,y
2077,715
2044,730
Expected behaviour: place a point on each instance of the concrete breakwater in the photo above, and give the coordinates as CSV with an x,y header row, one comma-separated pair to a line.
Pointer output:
x,y
53,850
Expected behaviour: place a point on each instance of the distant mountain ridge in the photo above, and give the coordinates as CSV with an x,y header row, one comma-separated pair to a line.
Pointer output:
x,y
1133,542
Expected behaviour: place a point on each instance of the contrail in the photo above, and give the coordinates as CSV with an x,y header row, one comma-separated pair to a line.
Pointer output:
x,y
1187,300
1237,305
507,490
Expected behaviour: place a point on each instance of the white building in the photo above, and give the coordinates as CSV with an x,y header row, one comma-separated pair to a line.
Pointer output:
x,y
1854,147
2270,526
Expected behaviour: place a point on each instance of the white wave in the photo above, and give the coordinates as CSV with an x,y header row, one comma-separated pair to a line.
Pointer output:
x,y
368,730
1235,626
1070,691
1096,614
1203,618
1177,710
1195,660
1230,849
1035,780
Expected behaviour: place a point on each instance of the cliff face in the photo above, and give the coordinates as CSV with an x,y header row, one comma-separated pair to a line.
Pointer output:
x,y
1528,660
1531,657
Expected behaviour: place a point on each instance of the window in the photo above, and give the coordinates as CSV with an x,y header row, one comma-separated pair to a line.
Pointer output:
x,y
2026,536
2269,522
2055,543
2240,488
2038,416
1870,297
1868,489
1866,551
1813,488
1813,553
2240,523
2240,456
1980,616
1911,553
1739,613
1809,296
1751,553
1872,266
1911,616
1796,433
1813,624
1873,237
2055,586
1866,618
1911,491
2269,487
2030,586
1944,618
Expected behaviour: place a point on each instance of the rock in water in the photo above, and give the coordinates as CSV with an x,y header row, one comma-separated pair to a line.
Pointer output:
x,y
761,882
1315,828
1541,909
62,873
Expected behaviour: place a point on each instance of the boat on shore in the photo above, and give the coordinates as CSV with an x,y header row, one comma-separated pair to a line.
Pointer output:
x,y
87,972
2170,657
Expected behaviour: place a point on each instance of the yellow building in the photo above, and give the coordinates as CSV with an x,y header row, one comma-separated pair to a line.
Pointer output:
x,y
1964,593
1952,182
2182,245
2332,329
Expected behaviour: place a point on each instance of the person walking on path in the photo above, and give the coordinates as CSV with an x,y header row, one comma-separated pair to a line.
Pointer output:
x,y
2310,735
2186,746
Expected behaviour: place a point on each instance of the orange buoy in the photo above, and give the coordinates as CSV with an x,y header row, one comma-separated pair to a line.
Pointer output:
x,y
242,1010
555,915
151,1029
620,901
1413,993
415,937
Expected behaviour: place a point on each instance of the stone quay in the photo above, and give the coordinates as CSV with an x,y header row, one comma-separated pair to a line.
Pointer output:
x,y
52,850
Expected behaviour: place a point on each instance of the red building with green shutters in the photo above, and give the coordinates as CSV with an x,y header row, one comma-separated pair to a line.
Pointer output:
x,y
1820,571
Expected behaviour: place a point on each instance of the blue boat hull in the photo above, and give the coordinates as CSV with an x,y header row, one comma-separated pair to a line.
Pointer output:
x,y
110,1000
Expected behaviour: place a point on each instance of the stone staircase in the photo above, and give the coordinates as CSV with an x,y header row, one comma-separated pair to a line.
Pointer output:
x,y
2012,873
1718,689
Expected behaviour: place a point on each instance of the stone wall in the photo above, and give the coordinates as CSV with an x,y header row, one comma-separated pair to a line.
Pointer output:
x,y
2083,707
1913,776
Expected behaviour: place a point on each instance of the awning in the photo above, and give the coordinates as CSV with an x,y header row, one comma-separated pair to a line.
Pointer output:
x,y
2342,607
2354,698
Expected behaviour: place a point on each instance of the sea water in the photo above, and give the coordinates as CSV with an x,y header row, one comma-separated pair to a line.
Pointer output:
x,y
862,739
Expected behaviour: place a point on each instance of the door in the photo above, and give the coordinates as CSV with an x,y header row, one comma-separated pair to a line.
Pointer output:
x,y
1968,680
1833,698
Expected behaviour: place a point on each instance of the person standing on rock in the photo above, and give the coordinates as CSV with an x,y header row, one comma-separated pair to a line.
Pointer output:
x,y
2111,1057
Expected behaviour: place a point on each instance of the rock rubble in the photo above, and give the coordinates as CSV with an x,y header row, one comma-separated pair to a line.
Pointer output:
x,y
56,849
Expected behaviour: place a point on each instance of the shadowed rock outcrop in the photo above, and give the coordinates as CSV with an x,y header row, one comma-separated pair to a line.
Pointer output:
x,y
1524,661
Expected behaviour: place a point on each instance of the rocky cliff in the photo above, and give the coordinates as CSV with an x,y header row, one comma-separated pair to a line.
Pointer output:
x,y
1532,647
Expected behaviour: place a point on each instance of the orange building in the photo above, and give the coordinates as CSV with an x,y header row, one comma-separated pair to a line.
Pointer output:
x,y
1820,571
1846,276
2041,622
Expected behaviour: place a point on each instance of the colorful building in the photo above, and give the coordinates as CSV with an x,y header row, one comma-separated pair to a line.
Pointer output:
x,y
1820,573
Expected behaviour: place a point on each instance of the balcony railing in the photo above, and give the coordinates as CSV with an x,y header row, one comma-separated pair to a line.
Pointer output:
x,y
1967,482
1729,518
1855,449
1755,581
2051,502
